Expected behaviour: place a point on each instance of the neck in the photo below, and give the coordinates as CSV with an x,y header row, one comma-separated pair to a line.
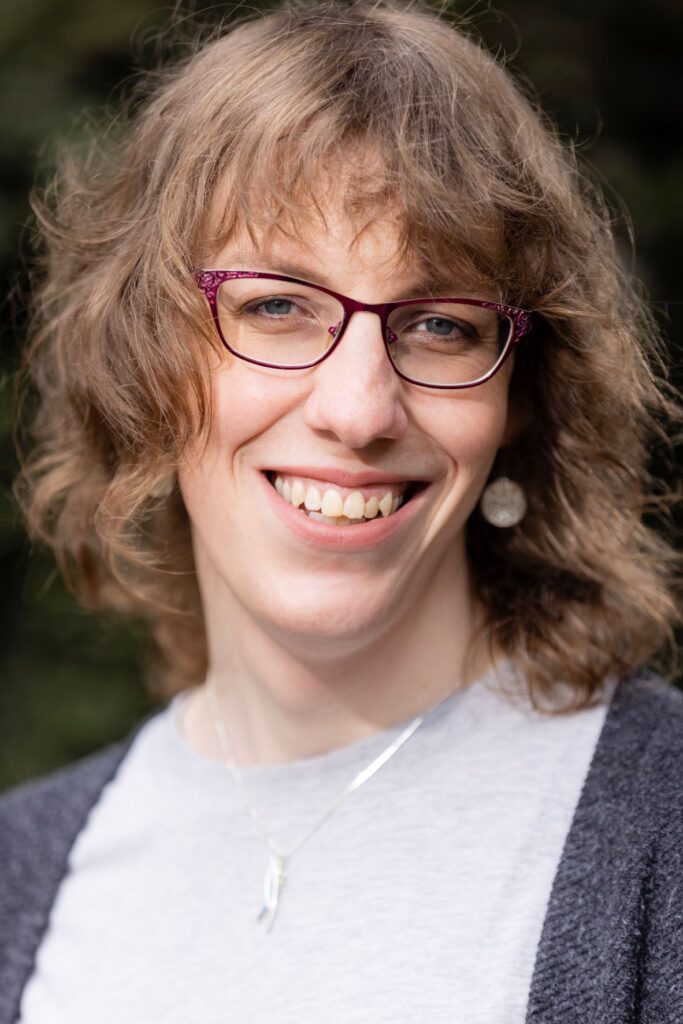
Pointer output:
x,y
282,699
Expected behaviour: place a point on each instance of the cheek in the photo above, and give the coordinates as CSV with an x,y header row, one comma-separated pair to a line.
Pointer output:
x,y
237,414
469,428
246,401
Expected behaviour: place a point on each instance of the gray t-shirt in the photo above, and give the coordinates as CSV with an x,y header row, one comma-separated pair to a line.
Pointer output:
x,y
428,882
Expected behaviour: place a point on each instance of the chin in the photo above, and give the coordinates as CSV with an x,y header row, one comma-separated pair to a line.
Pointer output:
x,y
325,624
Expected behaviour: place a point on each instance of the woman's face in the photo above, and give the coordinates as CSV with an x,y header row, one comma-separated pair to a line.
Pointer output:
x,y
349,424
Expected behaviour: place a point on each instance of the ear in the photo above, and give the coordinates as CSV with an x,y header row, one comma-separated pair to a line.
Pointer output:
x,y
520,416
520,402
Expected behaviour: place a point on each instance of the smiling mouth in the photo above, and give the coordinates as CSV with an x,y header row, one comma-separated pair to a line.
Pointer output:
x,y
343,506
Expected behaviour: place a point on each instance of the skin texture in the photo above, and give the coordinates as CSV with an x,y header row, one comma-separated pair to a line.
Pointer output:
x,y
312,649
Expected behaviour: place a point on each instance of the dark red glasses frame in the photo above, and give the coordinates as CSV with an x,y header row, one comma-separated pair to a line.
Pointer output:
x,y
209,282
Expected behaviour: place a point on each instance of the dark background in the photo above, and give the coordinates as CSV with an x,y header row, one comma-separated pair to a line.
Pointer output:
x,y
605,70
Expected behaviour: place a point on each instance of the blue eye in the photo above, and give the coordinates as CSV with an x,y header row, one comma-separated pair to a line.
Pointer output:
x,y
444,327
276,307
439,325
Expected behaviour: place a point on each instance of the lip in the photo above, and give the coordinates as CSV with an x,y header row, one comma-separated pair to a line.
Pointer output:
x,y
342,538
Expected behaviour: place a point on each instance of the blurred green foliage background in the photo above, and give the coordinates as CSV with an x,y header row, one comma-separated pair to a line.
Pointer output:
x,y
606,71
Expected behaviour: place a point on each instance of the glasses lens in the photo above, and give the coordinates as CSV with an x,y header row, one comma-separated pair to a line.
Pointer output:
x,y
447,343
277,322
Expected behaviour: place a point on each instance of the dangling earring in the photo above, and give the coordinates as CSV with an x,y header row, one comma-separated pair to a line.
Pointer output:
x,y
503,503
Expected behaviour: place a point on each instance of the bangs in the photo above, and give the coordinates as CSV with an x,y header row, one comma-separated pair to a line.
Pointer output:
x,y
292,189
296,121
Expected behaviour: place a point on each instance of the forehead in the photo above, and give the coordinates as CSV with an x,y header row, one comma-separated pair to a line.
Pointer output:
x,y
322,236
352,193
346,250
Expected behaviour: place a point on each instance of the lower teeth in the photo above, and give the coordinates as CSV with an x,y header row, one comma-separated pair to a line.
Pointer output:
x,y
334,521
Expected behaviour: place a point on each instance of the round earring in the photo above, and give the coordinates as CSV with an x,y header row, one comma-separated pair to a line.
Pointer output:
x,y
503,503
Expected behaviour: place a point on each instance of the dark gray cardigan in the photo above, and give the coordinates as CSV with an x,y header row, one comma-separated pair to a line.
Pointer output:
x,y
611,948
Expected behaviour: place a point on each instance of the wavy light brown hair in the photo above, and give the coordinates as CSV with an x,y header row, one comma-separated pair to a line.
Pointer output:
x,y
241,131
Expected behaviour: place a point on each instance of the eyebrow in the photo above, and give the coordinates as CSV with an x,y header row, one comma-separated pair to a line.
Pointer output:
x,y
422,287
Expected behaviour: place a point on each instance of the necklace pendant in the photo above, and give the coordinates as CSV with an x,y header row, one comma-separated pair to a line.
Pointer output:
x,y
272,883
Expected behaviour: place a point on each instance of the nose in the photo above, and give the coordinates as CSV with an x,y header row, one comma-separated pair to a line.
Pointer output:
x,y
356,394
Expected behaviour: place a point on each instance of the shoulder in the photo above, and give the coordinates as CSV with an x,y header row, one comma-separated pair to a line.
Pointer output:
x,y
632,792
39,823
615,916
654,710
40,817
645,719
61,790
638,761
648,692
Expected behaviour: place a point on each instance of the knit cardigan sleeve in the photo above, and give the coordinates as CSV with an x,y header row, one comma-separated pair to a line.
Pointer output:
x,y
611,948
661,976
39,822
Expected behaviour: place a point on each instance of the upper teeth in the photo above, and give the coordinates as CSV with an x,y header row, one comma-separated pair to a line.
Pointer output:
x,y
325,502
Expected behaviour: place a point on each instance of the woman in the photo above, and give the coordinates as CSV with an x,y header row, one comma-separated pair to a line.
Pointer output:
x,y
342,386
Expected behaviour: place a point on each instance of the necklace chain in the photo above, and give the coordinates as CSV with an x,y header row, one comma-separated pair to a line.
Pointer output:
x,y
275,872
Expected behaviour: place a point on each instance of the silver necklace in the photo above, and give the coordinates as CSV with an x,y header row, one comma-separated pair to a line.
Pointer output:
x,y
277,862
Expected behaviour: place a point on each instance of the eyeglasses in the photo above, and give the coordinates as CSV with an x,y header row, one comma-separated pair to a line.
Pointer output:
x,y
288,324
